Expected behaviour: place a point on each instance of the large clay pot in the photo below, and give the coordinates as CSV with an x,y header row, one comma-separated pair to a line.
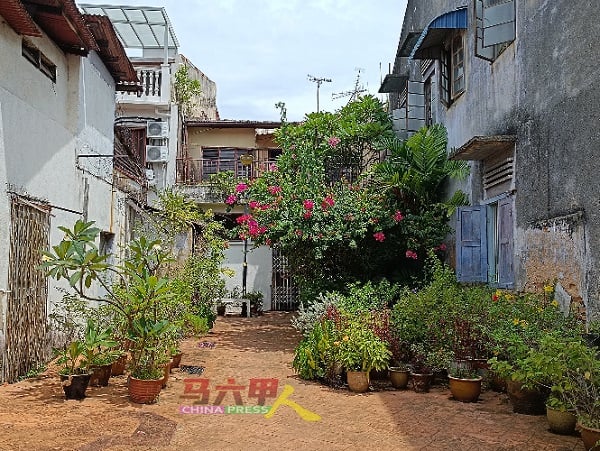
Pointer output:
x,y
421,382
590,437
144,391
358,381
465,390
75,385
561,421
526,401
399,376
100,375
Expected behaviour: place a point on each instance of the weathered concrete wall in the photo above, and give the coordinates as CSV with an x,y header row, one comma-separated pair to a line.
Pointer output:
x,y
559,106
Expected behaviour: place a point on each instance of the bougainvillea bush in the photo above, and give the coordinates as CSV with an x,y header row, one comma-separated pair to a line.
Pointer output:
x,y
338,213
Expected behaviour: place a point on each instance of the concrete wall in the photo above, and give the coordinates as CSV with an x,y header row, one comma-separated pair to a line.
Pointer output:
x,y
43,127
219,137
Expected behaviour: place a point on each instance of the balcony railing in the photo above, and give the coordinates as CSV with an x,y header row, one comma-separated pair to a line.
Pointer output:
x,y
152,86
193,171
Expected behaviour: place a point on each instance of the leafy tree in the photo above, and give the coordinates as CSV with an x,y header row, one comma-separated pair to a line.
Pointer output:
x,y
338,213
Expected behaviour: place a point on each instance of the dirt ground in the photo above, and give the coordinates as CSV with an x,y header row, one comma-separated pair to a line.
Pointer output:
x,y
247,353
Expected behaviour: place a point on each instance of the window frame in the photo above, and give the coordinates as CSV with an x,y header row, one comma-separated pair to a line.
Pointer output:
x,y
449,66
32,54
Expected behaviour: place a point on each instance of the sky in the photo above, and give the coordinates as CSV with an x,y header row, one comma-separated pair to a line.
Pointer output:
x,y
260,52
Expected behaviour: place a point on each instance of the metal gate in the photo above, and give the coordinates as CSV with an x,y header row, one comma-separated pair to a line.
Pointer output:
x,y
26,343
284,294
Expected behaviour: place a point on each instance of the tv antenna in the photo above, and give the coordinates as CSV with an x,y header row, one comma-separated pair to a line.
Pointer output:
x,y
319,81
358,89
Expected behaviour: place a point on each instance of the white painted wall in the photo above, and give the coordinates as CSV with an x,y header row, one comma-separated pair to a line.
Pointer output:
x,y
43,127
260,263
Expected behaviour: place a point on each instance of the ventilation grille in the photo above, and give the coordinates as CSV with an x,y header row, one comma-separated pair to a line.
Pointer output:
x,y
498,173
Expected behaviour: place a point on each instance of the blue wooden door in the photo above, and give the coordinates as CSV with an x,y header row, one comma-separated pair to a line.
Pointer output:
x,y
471,244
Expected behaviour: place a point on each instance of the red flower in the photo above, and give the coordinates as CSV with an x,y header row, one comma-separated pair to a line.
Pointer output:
x,y
398,216
308,214
379,236
308,204
327,202
241,187
274,189
411,254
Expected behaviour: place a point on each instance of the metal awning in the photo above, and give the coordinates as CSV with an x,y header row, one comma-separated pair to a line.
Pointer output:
x,y
138,27
431,40
482,147
393,83
409,43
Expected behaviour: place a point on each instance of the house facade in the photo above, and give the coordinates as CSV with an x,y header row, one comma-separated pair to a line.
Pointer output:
x,y
57,104
246,149
512,83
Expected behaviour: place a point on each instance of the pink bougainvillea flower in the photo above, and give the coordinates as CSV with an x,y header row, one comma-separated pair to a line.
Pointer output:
x,y
441,247
412,254
307,214
379,236
299,232
265,207
327,202
243,218
274,189
308,204
242,236
254,204
268,241
231,199
241,187
333,141
398,216
273,167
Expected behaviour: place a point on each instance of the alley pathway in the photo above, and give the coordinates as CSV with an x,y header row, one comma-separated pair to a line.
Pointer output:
x,y
248,361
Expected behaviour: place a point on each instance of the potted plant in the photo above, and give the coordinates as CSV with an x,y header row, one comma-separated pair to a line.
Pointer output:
x,y
256,303
560,414
73,375
359,351
98,353
147,372
464,381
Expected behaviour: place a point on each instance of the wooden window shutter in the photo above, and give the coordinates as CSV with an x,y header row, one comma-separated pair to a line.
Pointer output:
x,y
471,244
505,243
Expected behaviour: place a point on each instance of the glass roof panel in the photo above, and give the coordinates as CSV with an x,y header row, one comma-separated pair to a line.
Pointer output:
x,y
135,15
137,27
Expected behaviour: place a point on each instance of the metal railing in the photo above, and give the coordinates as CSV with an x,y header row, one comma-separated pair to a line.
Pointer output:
x,y
192,171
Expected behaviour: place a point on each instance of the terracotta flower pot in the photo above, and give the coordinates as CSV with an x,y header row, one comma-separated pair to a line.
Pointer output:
x,y
590,437
176,360
399,377
118,366
358,381
144,391
561,421
465,390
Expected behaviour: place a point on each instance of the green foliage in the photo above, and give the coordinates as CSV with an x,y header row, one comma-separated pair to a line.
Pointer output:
x,y
313,355
33,372
71,358
186,90
359,349
68,318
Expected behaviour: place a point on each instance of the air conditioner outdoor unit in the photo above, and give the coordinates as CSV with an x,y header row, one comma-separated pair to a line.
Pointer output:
x,y
157,130
157,154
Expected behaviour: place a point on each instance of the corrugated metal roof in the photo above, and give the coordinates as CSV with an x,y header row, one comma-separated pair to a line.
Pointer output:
x,y
393,83
432,38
